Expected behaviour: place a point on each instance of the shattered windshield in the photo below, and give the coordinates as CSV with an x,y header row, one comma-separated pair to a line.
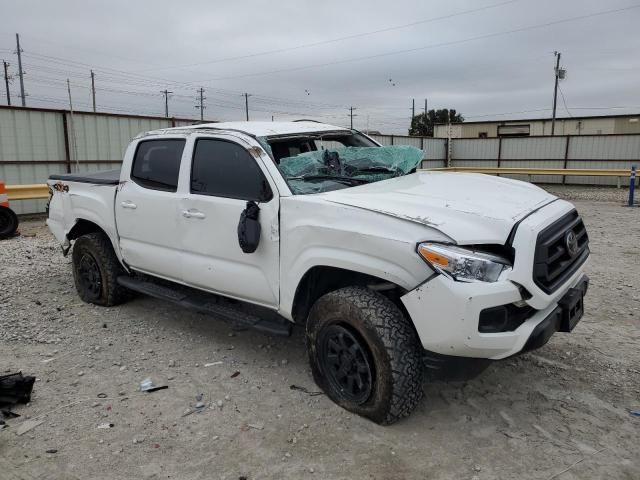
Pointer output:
x,y
321,164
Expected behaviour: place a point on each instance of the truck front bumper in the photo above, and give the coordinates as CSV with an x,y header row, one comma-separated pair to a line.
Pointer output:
x,y
447,315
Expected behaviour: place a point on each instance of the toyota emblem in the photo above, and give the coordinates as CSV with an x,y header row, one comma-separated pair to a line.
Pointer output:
x,y
571,242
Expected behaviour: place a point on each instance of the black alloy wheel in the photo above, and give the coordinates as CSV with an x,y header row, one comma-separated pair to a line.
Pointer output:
x,y
96,270
365,354
90,275
346,361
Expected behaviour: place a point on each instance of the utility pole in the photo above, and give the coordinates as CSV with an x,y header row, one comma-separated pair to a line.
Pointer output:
x,y
74,144
413,108
351,115
93,90
166,93
246,104
69,91
6,81
20,72
201,106
555,91
425,108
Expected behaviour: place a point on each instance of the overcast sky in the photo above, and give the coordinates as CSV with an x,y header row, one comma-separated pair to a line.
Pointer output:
x,y
484,58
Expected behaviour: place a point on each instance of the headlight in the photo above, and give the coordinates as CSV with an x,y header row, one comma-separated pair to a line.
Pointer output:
x,y
462,264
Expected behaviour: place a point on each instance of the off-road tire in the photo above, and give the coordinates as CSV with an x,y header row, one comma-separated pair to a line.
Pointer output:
x,y
8,222
393,348
97,247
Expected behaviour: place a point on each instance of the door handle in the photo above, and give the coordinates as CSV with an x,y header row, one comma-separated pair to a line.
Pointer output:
x,y
128,204
193,214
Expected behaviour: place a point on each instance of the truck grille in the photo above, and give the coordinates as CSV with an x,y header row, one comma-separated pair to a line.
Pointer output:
x,y
553,263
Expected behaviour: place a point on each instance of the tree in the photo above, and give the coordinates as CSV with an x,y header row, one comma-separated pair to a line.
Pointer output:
x,y
422,125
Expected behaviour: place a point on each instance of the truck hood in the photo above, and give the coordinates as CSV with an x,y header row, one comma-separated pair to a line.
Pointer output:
x,y
469,208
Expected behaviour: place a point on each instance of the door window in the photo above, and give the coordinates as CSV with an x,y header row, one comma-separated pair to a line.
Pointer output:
x,y
225,169
156,164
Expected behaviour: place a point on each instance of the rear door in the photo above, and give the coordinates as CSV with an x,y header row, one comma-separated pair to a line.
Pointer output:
x,y
225,174
146,208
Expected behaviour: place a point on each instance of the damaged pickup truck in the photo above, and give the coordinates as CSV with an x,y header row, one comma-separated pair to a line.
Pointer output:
x,y
274,224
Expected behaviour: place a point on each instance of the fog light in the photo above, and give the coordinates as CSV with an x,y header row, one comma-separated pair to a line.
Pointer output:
x,y
504,318
493,320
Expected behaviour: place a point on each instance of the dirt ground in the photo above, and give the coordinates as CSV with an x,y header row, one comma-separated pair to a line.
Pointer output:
x,y
561,412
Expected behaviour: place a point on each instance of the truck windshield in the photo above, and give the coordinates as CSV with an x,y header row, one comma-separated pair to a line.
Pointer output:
x,y
321,163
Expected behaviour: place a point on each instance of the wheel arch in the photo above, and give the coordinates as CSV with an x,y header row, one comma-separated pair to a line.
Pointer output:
x,y
322,279
83,226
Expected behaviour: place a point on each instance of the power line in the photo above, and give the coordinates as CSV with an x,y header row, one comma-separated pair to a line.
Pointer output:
x,y
136,80
564,101
425,47
337,39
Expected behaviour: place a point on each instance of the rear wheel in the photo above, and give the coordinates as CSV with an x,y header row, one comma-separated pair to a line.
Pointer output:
x,y
96,269
8,222
365,354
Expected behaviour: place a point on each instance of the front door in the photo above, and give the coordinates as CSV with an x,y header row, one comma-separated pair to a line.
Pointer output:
x,y
146,208
224,177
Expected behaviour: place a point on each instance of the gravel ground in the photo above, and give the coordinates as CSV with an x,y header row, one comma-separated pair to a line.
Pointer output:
x,y
597,194
562,412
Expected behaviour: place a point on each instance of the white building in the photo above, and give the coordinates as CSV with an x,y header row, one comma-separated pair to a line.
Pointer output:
x,y
535,127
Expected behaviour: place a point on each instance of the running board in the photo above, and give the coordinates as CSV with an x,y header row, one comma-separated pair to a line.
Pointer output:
x,y
208,303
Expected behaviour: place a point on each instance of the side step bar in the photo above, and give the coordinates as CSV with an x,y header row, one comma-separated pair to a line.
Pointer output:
x,y
206,303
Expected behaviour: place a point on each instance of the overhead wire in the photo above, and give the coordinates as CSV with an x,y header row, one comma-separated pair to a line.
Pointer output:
x,y
424,47
339,39
563,100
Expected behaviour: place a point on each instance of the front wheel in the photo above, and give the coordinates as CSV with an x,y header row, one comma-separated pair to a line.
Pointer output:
x,y
96,269
365,354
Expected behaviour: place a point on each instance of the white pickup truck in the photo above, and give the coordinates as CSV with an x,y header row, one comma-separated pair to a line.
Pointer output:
x,y
274,224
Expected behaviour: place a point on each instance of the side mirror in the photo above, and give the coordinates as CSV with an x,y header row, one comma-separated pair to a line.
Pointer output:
x,y
249,228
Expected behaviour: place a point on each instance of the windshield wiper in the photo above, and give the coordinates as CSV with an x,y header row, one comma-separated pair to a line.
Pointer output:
x,y
337,178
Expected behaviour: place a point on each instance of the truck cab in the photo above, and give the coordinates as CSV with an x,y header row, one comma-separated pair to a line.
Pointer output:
x,y
275,224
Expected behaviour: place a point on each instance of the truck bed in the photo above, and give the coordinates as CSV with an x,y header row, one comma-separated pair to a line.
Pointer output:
x,y
108,177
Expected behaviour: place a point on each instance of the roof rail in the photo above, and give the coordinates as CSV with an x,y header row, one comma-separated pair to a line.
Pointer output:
x,y
307,120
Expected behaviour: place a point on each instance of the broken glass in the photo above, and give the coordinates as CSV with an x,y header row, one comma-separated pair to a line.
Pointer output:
x,y
325,170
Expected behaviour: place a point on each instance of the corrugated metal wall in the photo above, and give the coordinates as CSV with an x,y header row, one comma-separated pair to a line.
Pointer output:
x,y
435,153
32,147
598,151
32,144
532,152
474,152
30,136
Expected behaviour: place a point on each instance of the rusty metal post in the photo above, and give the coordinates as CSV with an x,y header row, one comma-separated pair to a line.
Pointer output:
x,y
566,157
632,185
65,134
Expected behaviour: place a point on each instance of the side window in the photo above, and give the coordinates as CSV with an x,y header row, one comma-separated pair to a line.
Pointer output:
x,y
225,169
156,164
